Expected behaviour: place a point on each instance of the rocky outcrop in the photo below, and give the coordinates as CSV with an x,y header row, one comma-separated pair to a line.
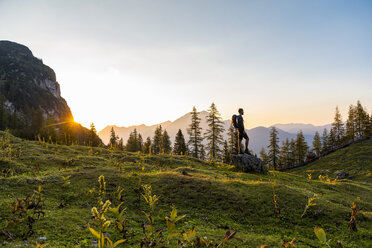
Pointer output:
x,y
247,163
27,85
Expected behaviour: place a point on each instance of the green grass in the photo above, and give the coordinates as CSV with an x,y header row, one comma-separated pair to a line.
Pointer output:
x,y
215,198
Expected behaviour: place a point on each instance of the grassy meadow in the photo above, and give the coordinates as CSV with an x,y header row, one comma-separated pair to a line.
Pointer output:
x,y
214,197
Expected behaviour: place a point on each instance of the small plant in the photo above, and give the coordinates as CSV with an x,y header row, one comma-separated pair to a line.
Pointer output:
x,y
38,245
310,202
321,235
309,177
289,243
7,172
190,239
102,189
275,202
228,236
326,179
118,213
151,235
99,216
171,223
25,212
353,217
66,181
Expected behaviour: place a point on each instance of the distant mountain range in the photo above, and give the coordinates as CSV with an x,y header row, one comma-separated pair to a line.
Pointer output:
x,y
259,136
308,129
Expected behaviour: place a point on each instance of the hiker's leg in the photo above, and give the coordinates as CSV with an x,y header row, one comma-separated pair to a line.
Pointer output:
x,y
240,145
246,142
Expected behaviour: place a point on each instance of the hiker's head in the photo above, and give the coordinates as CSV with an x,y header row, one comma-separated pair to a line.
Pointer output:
x,y
241,111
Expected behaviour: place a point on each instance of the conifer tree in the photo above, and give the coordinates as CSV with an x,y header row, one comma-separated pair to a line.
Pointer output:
x,y
325,140
284,155
361,120
147,146
214,132
331,142
166,143
113,138
195,133
121,144
179,147
226,157
350,124
317,145
202,154
301,147
133,142
233,140
273,154
93,138
157,141
140,142
263,156
338,128
292,153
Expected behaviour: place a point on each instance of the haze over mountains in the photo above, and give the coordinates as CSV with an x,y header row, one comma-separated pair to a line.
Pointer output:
x,y
259,136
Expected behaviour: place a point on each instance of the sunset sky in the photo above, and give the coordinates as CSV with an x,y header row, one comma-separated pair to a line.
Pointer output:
x,y
134,62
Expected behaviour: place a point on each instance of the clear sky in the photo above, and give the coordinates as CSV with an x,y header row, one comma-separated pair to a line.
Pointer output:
x,y
134,62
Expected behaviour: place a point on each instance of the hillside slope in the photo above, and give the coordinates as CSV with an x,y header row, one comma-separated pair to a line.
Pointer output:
x,y
215,198
356,160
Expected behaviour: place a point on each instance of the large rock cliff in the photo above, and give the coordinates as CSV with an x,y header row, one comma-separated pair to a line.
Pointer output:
x,y
27,85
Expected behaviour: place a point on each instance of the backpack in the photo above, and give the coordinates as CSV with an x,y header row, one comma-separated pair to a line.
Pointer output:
x,y
234,122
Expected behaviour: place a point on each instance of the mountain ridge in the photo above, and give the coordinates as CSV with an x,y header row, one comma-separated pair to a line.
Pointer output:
x,y
259,136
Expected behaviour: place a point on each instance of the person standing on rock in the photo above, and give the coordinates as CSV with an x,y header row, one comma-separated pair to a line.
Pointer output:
x,y
238,123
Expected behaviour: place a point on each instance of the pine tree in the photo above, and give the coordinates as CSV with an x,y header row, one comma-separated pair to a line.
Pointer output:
x,y
263,156
331,142
214,132
273,154
226,157
113,138
147,146
350,124
179,144
292,153
195,133
233,140
284,155
361,120
157,141
325,140
338,128
131,145
301,147
121,144
317,145
140,142
166,143
202,154
93,139
134,142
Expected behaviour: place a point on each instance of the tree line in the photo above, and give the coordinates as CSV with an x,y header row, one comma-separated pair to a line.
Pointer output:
x,y
296,151
215,148
35,124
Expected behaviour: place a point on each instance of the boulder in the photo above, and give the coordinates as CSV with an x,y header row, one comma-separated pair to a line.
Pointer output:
x,y
247,162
